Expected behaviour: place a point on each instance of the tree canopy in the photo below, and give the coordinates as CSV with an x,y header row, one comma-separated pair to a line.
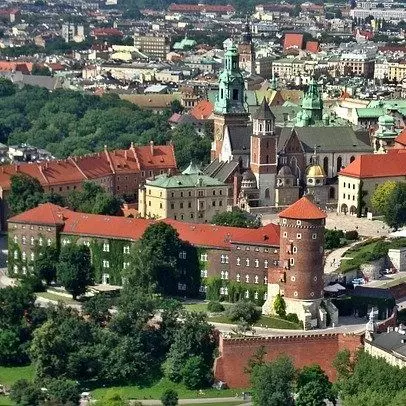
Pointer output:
x,y
25,193
381,196
236,218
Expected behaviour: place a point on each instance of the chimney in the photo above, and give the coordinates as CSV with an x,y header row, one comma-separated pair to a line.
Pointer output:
x,y
151,144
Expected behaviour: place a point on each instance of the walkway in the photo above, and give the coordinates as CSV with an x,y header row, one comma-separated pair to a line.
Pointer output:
x,y
198,401
334,257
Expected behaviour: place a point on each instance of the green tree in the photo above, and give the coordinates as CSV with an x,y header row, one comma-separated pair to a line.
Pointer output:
x,y
26,393
195,373
6,87
332,239
395,215
279,306
176,106
236,218
272,383
45,263
194,338
25,193
97,308
169,398
74,269
257,359
311,394
343,364
10,346
41,70
245,311
63,392
381,196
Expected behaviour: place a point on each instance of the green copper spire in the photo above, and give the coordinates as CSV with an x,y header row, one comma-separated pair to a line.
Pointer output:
x,y
312,105
230,97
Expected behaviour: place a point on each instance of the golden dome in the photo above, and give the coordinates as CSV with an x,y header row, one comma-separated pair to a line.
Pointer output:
x,y
315,171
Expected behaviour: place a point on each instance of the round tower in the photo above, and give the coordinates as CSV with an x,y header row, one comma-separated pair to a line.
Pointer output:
x,y
301,251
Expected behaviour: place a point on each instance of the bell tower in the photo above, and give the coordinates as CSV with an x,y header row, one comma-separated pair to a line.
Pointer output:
x,y
264,162
246,50
230,113
312,106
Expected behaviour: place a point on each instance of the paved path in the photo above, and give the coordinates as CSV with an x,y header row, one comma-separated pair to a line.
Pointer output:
x,y
333,259
197,401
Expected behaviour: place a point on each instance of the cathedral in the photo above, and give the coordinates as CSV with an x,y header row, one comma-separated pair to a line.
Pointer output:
x,y
269,165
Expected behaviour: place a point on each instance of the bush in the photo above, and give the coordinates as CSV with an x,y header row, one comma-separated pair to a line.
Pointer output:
x,y
169,398
351,235
195,373
26,393
246,311
292,317
332,239
215,307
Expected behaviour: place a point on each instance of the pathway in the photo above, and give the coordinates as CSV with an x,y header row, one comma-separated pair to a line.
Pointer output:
x,y
198,401
333,259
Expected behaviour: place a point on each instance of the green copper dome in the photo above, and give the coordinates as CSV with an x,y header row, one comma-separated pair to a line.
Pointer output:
x,y
386,120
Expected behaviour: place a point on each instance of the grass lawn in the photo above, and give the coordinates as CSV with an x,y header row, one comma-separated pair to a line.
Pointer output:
x,y
232,403
196,307
57,298
264,321
5,401
9,375
156,391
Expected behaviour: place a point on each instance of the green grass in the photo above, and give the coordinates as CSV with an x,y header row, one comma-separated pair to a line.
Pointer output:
x,y
264,321
156,391
196,307
57,298
232,403
9,375
5,401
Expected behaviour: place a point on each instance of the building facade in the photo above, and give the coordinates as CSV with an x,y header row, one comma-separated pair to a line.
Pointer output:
x,y
190,196
234,262
152,45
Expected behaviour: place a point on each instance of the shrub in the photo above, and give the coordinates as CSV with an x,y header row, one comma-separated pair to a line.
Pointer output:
x,y
292,317
246,311
169,398
351,235
215,307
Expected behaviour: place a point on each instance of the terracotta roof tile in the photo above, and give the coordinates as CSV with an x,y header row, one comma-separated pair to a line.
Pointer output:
x,y
293,40
401,138
206,235
203,110
377,165
312,46
303,209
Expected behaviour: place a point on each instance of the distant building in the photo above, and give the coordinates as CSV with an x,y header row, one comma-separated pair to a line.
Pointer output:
x,y
190,196
73,32
154,46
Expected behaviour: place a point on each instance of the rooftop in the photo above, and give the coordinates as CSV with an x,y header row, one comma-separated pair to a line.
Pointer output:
x,y
94,225
303,209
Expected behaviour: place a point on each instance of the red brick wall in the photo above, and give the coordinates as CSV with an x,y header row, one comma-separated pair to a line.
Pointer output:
x,y
303,349
398,291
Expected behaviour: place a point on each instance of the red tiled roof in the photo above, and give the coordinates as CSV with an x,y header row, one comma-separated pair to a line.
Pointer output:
x,y
206,235
303,209
200,8
293,40
312,46
401,138
98,165
9,66
202,110
377,165
106,32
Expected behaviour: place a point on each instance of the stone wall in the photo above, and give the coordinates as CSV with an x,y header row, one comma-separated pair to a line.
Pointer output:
x,y
303,349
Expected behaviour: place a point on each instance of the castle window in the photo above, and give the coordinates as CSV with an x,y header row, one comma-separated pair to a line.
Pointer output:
x,y
256,279
225,274
311,294
247,278
298,236
298,222
260,127
235,94
256,295
222,275
49,242
126,249
15,239
256,263
181,205
203,257
238,261
265,296
15,254
182,255
247,294
23,256
265,280
266,264
40,241
292,278
294,250
292,261
106,247
285,234
221,94
126,265
295,294
284,221
32,256
106,264
247,262
315,278
314,236
15,268
24,239
32,240
238,277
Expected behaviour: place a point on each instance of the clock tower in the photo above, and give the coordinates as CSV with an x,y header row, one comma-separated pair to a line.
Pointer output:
x,y
231,119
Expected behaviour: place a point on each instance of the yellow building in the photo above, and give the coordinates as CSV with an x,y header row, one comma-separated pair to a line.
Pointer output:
x,y
191,196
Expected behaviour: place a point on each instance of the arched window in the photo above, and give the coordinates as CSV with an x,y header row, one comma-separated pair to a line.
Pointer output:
x,y
352,158
267,159
267,194
339,163
221,94
325,165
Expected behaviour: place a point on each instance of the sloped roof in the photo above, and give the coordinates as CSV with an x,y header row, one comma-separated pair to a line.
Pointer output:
x,y
263,112
202,110
84,224
377,165
312,46
303,209
401,138
184,181
293,40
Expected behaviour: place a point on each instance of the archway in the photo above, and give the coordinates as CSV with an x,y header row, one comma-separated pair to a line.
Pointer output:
x,y
353,210
352,159
344,208
339,163
267,194
325,165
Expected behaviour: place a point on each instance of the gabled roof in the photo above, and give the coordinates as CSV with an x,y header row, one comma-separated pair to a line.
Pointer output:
x,y
202,110
303,209
263,112
312,46
204,235
401,138
293,40
387,165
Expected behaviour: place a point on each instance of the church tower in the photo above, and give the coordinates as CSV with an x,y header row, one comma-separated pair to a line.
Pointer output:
x,y
264,162
231,132
246,50
312,106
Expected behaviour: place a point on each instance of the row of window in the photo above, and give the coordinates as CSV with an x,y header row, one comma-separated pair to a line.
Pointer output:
x,y
23,226
349,185
32,240
349,197
24,255
224,292
299,235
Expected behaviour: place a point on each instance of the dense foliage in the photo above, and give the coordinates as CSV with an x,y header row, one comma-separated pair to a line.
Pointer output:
x,y
236,218
71,123
365,381
244,311
332,239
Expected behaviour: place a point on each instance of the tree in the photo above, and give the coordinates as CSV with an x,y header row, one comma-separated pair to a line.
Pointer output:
x,y
279,305
169,398
246,311
381,196
195,373
45,262
395,215
343,364
7,88
26,393
236,218
332,239
272,383
97,308
311,394
41,70
193,338
257,359
74,269
176,106
25,193
63,392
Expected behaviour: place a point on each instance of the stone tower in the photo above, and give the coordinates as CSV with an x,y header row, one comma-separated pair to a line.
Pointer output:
x,y
312,106
300,277
230,115
264,161
246,50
